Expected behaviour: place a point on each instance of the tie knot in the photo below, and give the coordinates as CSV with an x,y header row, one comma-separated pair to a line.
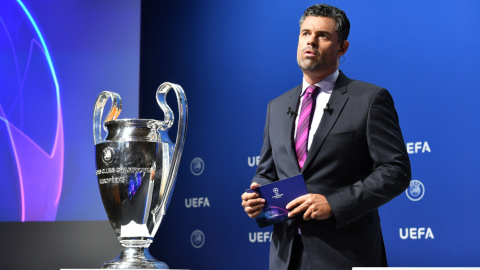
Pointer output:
x,y
311,90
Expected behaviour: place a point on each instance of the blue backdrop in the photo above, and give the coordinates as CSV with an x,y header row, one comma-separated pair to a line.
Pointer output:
x,y
232,58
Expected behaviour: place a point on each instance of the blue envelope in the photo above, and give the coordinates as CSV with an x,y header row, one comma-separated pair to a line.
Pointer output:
x,y
277,195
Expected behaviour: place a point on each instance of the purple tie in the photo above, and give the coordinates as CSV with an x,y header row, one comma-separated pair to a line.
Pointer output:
x,y
303,126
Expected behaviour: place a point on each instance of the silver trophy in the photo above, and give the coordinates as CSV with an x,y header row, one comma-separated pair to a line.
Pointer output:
x,y
137,165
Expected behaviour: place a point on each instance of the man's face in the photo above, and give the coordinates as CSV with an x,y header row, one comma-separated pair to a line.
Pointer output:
x,y
318,45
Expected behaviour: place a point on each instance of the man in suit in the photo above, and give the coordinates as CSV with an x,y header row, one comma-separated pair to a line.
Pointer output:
x,y
343,135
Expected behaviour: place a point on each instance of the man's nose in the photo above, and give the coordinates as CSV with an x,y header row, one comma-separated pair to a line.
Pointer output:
x,y
312,41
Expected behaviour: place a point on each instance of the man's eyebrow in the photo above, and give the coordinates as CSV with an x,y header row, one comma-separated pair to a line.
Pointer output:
x,y
317,32
323,32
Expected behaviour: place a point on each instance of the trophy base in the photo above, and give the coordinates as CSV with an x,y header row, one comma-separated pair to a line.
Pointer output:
x,y
135,258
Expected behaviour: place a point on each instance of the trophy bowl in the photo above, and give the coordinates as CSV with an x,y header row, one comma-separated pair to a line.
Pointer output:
x,y
137,164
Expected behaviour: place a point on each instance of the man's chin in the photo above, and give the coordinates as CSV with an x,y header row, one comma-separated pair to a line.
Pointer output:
x,y
310,67
307,63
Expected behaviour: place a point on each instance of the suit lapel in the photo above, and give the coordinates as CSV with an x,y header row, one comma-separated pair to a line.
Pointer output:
x,y
289,124
337,101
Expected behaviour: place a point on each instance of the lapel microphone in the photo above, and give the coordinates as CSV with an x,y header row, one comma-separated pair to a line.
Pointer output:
x,y
327,109
290,111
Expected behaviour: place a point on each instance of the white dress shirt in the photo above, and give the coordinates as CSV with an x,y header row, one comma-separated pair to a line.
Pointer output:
x,y
326,88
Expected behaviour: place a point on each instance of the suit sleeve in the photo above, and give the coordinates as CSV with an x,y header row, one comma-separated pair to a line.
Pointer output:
x,y
266,170
391,172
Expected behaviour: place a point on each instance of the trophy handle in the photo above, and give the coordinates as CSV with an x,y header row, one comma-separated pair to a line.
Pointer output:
x,y
98,111
182,130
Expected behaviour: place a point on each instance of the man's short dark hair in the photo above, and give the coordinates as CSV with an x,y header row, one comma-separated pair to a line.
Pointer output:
x,y
342,24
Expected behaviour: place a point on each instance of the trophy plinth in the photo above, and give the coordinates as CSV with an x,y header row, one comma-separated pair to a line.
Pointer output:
x,y
137,165
135,258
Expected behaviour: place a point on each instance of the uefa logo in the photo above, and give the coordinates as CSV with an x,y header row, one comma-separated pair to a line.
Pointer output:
x,y
415,191
108,154
197,239
197,166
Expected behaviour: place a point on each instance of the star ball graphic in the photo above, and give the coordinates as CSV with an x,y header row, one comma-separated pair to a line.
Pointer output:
x,y
31,124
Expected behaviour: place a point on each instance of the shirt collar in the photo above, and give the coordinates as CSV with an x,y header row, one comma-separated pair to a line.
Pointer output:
x,y
326,85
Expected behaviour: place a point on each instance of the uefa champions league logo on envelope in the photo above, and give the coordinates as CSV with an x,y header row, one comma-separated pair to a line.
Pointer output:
x,y
276,196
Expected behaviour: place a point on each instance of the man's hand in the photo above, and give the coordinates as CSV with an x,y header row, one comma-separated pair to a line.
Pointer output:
x,y
251,203
314,205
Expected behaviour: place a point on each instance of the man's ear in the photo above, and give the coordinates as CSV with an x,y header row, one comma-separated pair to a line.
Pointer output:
x,y
343,47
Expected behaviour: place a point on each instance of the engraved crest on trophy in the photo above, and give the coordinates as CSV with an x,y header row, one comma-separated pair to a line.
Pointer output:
x,y
137,164
108,153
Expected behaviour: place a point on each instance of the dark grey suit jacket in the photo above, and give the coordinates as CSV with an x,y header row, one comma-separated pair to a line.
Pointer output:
x,y
357,160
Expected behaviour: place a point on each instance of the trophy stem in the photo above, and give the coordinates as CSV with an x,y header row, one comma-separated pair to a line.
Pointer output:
x,y
135,255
